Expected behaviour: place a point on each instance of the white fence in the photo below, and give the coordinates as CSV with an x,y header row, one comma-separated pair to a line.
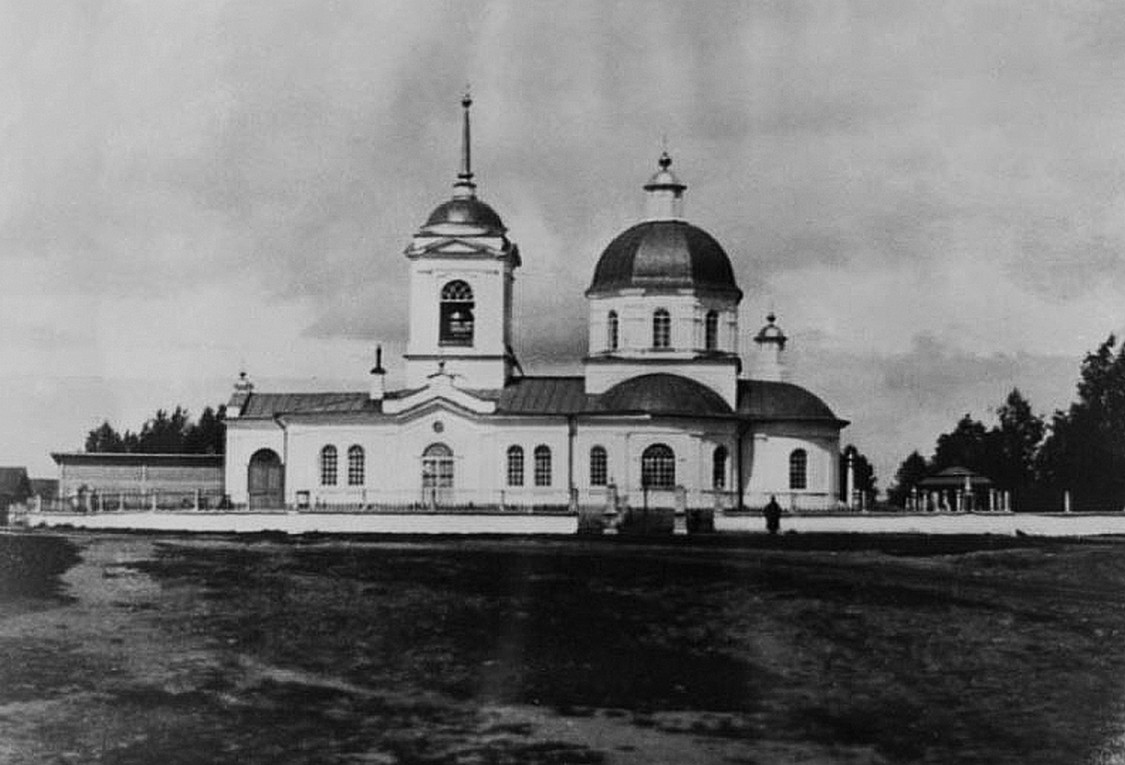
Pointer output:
x,y
443,500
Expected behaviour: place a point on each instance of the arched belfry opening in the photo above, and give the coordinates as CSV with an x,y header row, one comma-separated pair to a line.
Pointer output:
x,y
456,318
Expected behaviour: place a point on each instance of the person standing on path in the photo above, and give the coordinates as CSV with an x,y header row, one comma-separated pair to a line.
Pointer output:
x,y
772,511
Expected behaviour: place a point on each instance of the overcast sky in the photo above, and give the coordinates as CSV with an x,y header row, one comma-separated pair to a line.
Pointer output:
x,y
928,194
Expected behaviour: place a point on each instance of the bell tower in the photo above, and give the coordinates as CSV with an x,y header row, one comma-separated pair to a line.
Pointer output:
x,y
462,268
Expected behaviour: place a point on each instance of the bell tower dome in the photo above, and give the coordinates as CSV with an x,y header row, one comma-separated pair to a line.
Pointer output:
x,y
461,274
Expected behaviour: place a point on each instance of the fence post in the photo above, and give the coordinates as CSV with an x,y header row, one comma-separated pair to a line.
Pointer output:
x,y
152,498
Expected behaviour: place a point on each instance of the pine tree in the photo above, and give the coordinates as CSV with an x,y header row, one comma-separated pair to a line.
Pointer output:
x,y
912,470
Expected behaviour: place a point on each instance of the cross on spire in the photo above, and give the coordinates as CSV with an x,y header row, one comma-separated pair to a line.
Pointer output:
x,y
464,187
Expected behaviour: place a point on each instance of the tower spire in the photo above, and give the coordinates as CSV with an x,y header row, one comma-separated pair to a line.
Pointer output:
x,y
464,187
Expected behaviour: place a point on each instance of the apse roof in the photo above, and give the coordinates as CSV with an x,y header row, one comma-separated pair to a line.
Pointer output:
x,y
775,400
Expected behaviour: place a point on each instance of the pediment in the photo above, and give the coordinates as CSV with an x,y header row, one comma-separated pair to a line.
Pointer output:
x,y
491,247
441,392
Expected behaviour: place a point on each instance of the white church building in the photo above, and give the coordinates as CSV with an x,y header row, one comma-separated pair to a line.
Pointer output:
x,y
663,414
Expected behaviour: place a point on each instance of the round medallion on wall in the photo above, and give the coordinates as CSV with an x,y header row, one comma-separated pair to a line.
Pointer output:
x,y
439,426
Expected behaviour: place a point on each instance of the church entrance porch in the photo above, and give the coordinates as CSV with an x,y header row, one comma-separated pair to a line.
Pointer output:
x,y
266,480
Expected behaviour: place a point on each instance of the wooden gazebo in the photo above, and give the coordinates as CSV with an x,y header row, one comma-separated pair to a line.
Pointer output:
x,y
958,489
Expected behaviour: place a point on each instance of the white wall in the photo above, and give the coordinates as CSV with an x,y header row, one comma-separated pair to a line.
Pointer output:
x,y
244,437
490,280
766,452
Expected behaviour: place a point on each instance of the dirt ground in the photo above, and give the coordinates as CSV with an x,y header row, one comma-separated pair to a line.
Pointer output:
x,y
812,649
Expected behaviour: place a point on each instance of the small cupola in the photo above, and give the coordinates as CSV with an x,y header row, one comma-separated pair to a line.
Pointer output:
x,y
665,193
242,390
771,343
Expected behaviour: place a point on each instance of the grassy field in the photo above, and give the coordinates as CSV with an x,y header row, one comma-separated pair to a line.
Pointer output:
x,y
802,648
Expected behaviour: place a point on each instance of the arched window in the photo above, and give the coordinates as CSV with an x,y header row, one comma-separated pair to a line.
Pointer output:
x,y
658,467
611,331
355,465
711,331
798,469
437,474
328,466
515,466
719,468
542,465
661,329
456,314
599,466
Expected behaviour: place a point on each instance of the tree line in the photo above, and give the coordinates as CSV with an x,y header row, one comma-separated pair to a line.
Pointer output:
x,y
1080,450
165,433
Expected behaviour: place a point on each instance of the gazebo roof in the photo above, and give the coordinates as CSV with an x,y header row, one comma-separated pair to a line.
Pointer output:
x,y
953,478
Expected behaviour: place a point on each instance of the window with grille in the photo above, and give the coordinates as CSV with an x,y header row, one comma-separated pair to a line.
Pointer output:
x,y
612,331
355,466
661,329
798,469
542,466
599,465
711,331
719,468
515,466
658,467
328,466
456,314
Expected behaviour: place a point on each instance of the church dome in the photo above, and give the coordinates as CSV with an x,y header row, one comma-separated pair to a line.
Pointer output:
x,y
663,393
659,255
465,216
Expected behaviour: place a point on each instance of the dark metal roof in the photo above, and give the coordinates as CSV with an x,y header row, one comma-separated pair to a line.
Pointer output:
x,y
663,393
266,405
657,394
664,254
544,395
773,400
469,213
